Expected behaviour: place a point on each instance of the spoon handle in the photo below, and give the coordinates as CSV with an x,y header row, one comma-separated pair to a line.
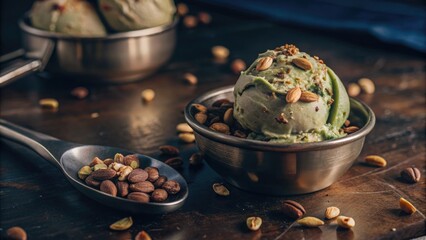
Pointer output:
x,y
48,147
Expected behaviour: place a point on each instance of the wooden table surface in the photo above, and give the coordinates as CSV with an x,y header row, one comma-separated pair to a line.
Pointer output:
x,y
36,196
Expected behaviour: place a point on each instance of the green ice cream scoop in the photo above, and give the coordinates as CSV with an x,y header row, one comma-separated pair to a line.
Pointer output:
x,y
288,96
126,15
72,17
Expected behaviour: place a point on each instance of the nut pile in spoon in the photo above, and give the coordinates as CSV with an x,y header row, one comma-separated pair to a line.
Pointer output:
x,y
123,177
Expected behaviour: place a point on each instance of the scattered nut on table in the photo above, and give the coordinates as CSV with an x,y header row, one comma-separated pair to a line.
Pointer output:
x,y
182,9
345,222
175,162
254,223
204,17
332,212
190,21
196,159
187,137
49,103
406,206
184,128
122,224
220,52
142,235
293,209
169,150
190,78
375,160
238,65
148,95
310,222
367,85
220,189
353,89
80,92
16,233
411,175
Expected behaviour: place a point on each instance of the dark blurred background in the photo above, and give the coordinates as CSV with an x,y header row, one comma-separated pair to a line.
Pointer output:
x,y
390,21
385,23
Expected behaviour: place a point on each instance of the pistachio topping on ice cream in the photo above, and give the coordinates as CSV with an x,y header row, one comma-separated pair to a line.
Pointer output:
x,y
288,96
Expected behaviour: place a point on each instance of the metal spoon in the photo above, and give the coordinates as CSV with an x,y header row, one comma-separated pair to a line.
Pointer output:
x,y
70,157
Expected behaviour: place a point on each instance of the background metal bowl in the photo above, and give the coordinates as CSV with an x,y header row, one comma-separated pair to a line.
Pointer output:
x,y
117,57
279,169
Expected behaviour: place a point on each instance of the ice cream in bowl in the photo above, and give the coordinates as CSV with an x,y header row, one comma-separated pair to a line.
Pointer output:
x,y
286,127
96,41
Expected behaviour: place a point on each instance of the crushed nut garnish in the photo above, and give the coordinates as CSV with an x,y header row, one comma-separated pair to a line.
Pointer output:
x,y
280,75
281,119
288,49
347,123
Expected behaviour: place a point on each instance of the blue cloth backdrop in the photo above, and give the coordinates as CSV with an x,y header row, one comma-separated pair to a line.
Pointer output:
x,y
400,22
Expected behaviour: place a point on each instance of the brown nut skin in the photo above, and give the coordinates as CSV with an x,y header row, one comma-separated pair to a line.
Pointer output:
x,y
142,235
293,209
411,175
16,233
137,175
196,107
139,197
80,92
169,150
238,65
160,181
122,188
153,173
201,117
159,195
171,186
108,161
174,162
196,159
145,187
221,101
131,160
104,174
90,181
108,187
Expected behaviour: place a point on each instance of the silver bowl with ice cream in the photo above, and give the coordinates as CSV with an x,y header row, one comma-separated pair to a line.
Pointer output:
x,y
289,128
279,168
77,46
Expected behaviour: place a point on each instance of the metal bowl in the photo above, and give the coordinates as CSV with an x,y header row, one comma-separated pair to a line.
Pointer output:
x,y
117,57
274,168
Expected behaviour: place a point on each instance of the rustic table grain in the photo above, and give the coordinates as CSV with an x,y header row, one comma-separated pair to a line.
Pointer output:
x,y
35,195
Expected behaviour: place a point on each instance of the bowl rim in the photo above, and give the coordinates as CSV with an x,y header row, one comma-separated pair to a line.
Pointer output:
x,y
27,28
276,147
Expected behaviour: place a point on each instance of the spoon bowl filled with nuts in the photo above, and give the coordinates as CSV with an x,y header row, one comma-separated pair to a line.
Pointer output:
x,y
114,177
